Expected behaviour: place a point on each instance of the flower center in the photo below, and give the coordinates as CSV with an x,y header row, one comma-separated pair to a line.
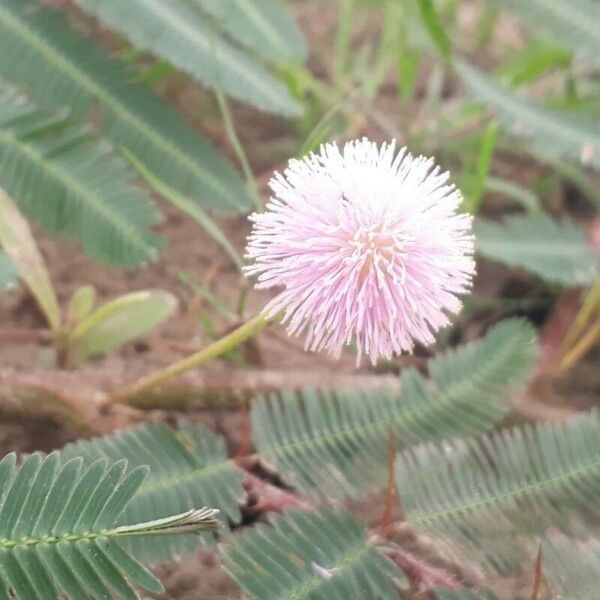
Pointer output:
x,y
374,250
373,244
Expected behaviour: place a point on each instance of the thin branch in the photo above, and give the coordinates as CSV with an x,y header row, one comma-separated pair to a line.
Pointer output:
x,y
403,534
420,571
538,579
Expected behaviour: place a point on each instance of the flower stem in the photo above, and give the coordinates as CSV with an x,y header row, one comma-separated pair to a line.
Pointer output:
x,y
128,394
234,140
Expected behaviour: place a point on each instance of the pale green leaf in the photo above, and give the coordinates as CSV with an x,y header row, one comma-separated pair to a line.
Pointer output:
x,y
121,320
19,245
558,251
81,303
573,23
552,132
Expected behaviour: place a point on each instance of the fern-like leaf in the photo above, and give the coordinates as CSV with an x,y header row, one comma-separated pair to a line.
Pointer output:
x,y
488,498
57,532
553,133
556,251
188,468
572,568
59,69
337,444
264,26
68,182
574,24
189,41
309,556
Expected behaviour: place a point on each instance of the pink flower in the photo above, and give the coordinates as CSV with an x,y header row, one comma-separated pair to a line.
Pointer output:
x,y
367,246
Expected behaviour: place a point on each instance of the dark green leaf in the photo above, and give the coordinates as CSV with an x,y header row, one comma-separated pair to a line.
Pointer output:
x,y
60,68
70,182
336,444
311,555
490,499
189,42
265,26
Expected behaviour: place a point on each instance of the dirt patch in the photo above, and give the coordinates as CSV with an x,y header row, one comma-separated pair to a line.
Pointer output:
x,y
196,577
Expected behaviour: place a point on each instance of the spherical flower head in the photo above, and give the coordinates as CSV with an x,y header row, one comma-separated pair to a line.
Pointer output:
x,y
366,245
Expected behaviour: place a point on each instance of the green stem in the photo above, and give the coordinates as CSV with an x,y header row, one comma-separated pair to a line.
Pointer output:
x,y
234,140
129,393
186,205
342,42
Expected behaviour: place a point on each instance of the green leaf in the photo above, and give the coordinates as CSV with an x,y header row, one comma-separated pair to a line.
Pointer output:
x,y
551,132
575,24
36,498
557,251
474,180
81,303
532,62
490,498
57,533
8,272
188,468
16,577
56,496
19,245
311,555
68,559
190,43
434,27
336,444
121,320
408,67
69,182
59,68
265,26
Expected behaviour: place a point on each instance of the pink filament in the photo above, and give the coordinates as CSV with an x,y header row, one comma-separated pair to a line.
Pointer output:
x,y
367,246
